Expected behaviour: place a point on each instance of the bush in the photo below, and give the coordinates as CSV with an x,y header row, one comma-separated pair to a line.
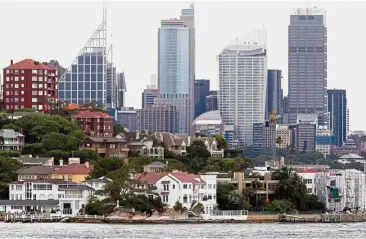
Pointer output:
x,y
178,206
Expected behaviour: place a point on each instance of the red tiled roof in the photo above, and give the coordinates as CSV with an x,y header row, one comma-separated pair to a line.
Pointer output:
x,y
188,178
310,170
92,114
150,178
73,168
29,64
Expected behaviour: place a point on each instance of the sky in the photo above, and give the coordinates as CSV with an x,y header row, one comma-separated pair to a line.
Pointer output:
x,y
58,30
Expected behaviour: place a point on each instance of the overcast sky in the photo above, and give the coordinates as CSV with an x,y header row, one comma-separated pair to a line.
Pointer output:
x,y
58,30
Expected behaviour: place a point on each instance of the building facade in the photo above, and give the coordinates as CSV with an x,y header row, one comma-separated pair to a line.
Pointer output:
x,y
337,108
212,101
29,84
283,132
11,140
97,124
148,96
106,147
201,91
121,89
324,140
307,64
158,118
208,124
243,84
176,66
274,92
127,118
305,137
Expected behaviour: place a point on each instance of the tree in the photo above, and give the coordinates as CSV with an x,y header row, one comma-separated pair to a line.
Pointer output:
x,y
233,153
11,126
105,166
221,142
198,150
117,129
8,168
229,199
178,206
86,155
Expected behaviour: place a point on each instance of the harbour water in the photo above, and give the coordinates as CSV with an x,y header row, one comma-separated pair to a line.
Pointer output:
x,y
131,231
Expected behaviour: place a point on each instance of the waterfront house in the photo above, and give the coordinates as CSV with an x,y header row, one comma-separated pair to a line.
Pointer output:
x,y
145,147
29,160
46,195
188,189
11,140
74,171
155,167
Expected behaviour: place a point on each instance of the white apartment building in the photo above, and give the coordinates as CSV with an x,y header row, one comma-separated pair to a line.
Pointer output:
x,y
309,178
284,132
339,189
46,195
188,189
243,83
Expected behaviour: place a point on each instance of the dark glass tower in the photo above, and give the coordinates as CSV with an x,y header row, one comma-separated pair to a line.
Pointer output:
x,y
274,92
201,91
337,107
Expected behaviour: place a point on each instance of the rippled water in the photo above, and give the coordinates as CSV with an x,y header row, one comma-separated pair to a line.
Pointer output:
x,y
273,230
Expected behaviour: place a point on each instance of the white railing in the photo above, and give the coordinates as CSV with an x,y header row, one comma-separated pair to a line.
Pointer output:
x,y
89,216
230,213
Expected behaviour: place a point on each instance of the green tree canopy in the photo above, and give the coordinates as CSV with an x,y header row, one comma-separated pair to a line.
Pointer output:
x,y
198,150
105,166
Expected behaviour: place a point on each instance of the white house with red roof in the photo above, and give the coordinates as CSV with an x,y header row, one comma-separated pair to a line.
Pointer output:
x,y
188,189
309,176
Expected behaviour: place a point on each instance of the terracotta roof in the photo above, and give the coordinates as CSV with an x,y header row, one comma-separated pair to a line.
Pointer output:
x,y
103,140
29,64
92,114
150,178
73,168
188,178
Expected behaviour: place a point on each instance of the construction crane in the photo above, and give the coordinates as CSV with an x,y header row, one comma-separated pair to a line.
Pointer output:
x,y
278,140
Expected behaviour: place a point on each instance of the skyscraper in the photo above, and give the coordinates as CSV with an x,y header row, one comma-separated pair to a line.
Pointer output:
x,y
243,83
201,91
211,101
84,81
337,107
148,96
307,64
274,92
111,87
121,89
176,66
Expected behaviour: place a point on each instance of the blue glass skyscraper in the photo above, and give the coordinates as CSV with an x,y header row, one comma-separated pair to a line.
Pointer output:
x,y
201,91
337,108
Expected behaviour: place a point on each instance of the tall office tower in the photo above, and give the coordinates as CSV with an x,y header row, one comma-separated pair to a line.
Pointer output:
x,y
121,89
274,92
84,81
211,101
111,87
176,66
201,91
127,118
148,96
347,125
337,107
157,118
306,127
243,84
284,104
307,64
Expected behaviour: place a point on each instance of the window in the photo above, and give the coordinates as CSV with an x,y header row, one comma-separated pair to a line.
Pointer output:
x,y
22,78
210,186
17,207
12,187
34,78
40,86
166,187
16,78
18,187
185,198
73,194
308,181
173,186
34,197
185,186
310,190
34,100
22,92
16,86
21,99
165,198
40,92
34,85
112,146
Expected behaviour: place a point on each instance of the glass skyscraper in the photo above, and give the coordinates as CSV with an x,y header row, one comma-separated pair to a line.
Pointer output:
x,y
201,91
337,107
307,64
85,80
176,67
274,92
243,84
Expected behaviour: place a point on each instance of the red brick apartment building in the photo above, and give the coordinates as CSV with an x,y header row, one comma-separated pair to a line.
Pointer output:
x,y
96,124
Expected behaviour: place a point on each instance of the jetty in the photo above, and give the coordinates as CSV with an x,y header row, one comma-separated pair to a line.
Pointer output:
x,y
30,218
323,218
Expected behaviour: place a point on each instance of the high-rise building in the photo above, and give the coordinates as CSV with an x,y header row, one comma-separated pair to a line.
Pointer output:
x,y
85,81
284,133
212,101
111,87
176,66
274,92
127,118
121,89
347,125
201,91
29,84
243,84
337,108
307,64
324,140
284,104
158,118
258,136
148,96
305,137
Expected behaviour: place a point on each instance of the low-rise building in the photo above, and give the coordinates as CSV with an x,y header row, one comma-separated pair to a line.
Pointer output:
x,y
155,167
106,147
35,172
47,195
93,123
11,140
324,140
29,160
142,145
188,189
74,171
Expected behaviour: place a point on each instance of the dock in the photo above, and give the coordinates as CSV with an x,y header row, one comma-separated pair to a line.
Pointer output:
x,y
323,218
29,218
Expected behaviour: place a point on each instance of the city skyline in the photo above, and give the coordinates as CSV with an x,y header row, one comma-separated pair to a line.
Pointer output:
x,y
338,77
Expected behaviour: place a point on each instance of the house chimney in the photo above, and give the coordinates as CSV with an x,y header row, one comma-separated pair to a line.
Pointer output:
x,y
45,63
11,62
137,134
61,162
87,164
189,140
